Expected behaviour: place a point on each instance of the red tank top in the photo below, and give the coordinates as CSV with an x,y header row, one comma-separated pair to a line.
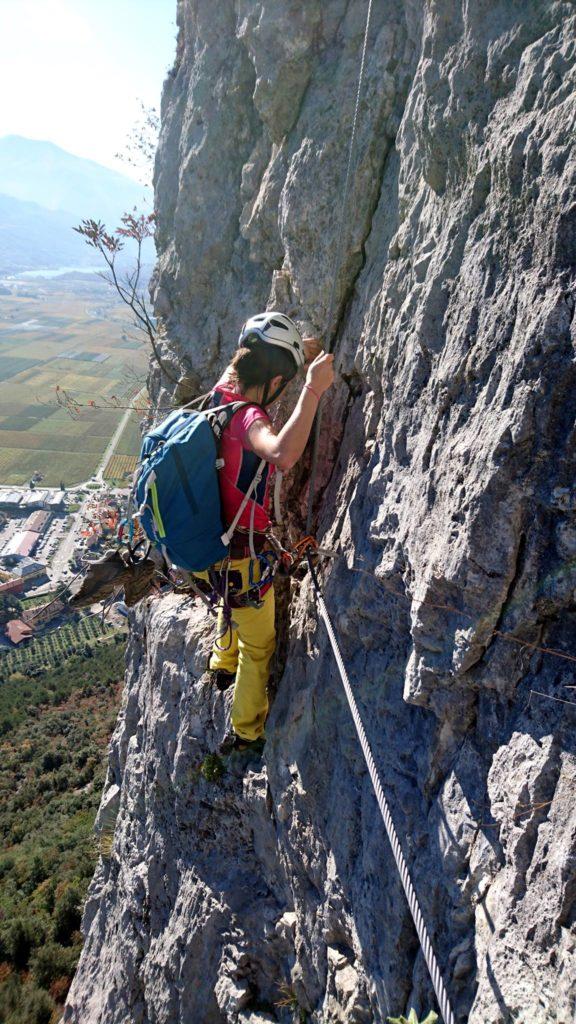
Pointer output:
x,y
241,463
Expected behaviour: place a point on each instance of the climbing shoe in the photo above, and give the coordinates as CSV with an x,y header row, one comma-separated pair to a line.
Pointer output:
x,y
234,744
221,679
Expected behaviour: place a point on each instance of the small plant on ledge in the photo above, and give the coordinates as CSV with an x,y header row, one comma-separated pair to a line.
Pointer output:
x,y
212,768
412,1018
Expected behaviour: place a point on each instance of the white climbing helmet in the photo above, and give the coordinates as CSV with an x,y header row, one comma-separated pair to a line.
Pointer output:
x,y
276,329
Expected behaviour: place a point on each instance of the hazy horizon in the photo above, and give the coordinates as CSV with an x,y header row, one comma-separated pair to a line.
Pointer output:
x,y
77,71
121,168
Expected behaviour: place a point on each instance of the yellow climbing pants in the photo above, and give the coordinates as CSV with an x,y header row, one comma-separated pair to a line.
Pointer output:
x,y
246,650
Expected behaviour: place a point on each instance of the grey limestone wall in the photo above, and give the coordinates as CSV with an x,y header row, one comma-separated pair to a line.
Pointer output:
x,y
447,485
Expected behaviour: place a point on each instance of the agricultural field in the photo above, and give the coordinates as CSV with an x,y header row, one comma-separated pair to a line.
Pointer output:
x,y
65,343
119,469
33,602
124,459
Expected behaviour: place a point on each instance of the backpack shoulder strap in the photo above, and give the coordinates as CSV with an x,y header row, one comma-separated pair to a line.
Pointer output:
x,y
221,416
201,401
227,536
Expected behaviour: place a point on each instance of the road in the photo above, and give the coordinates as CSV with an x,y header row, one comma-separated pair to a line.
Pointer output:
x,y
66,549
64,553
98,475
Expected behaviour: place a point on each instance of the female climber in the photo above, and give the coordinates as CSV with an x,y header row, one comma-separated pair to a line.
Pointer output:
x,y
270,353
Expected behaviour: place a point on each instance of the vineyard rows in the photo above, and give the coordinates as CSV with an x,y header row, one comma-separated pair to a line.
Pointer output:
x,y
62,642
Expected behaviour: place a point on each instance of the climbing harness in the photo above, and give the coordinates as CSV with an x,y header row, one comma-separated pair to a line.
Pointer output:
x,y
337,264
427,949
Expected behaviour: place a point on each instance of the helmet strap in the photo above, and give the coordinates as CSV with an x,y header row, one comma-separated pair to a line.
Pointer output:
x,y
269,399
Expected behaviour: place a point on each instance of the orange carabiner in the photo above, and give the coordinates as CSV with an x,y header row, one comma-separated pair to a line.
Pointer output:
x,y
300,549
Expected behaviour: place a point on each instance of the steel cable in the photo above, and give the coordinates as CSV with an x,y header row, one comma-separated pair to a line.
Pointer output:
x,y
422,931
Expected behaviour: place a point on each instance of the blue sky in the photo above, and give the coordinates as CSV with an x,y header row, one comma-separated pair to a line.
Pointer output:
x,y
74,71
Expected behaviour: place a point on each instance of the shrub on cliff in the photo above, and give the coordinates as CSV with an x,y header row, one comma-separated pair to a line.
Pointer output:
x,y
18,938
53,962
67,915
412,1018
23,1003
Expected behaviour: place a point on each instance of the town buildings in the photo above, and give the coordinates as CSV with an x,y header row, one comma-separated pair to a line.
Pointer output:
x,y
38,545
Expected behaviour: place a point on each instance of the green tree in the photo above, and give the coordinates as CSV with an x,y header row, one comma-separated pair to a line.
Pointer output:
x,y
6,865
33,1006
52,759
48,898
18,939
53,961
36,874
67,915
10,608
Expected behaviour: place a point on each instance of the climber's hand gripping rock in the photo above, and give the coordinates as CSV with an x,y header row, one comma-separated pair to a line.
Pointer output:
x,y
320,373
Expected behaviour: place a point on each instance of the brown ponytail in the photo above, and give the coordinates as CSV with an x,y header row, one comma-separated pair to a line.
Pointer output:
x,y
258,364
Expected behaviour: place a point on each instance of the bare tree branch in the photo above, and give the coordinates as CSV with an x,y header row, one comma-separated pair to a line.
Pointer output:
x,y
142,141
136,227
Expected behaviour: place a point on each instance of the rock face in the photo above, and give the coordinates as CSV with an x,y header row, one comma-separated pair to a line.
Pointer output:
x,y
447,475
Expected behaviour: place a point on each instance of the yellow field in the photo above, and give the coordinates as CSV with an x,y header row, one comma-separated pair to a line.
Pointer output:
x,y
119,468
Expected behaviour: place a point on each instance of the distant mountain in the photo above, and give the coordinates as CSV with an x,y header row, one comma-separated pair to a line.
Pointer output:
x,y
32,237
45,192
40,172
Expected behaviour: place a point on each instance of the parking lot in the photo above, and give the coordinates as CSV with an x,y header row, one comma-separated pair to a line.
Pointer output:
x,y
50,542
51,539
8,531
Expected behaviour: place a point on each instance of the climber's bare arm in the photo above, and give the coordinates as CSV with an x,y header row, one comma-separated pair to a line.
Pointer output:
x,y
283,449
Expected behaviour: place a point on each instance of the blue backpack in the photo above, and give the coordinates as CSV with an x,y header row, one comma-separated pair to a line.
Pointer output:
x,y
176,490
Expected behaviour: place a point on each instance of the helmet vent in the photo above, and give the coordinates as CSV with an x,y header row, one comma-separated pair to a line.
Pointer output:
x,y
278,323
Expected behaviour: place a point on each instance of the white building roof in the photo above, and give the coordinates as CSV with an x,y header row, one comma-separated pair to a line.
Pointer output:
x,y
21,543
10,497
34,497
27,566
56,498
